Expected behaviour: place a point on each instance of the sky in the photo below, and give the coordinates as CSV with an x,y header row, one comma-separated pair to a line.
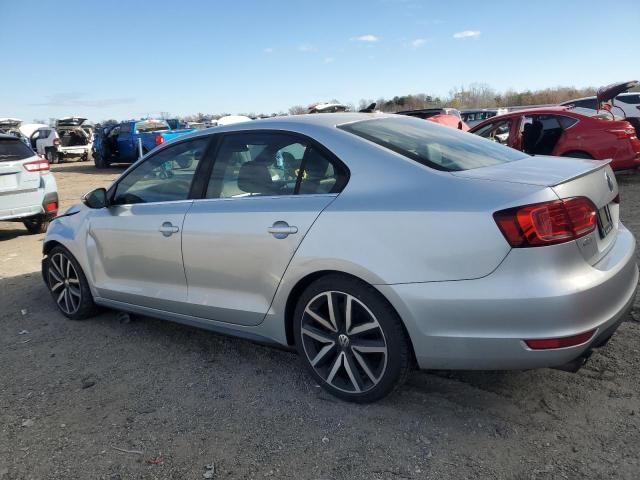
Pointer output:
x,y
130,59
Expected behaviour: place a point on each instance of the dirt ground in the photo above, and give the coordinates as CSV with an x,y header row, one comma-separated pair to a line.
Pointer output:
x,y
106,399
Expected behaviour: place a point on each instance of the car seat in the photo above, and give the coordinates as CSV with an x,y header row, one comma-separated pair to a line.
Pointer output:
x,y
254,178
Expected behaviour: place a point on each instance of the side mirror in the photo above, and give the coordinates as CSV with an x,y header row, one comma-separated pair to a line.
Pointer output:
x,y
96,198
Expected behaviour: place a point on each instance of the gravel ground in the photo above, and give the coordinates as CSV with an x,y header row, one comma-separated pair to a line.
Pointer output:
x,y
147,399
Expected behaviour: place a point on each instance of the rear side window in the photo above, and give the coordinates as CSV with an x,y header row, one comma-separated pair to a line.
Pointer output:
x,y
269,164
566,122
436,146
12,150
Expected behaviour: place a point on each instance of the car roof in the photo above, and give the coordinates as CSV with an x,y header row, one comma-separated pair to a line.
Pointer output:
x,y
4,136
290,122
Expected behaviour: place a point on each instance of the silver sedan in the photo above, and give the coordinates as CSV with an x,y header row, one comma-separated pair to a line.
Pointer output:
x,y
371,243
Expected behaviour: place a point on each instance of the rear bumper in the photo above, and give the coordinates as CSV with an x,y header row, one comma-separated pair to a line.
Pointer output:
x,y
26,211
482,324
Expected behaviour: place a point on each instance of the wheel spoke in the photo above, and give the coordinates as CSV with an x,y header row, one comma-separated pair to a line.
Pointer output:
x,y
61,297
56,276
56,266
364,327
369,346
347,313
67,299
364,366
74,291
322,353
352,372
56,286
334,369
320,320
318,335
332,313
74,280
68,267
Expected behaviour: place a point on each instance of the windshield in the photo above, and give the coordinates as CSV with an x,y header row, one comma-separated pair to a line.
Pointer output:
x,y
11,150
435,146
151,126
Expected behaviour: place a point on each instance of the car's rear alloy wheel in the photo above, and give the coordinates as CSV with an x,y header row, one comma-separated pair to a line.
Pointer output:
x,y
351,340
68,285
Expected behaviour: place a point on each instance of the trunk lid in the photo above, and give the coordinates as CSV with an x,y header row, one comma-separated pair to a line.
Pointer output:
x,y
567,178
609,92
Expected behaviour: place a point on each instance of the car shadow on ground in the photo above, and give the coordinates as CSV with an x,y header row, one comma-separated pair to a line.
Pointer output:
x,y
14,231
87,168
143,336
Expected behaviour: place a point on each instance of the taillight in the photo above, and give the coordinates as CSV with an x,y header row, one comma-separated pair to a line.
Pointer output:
x,y
37,166
56,142
622,133
562,342
51,206
547,223
159,139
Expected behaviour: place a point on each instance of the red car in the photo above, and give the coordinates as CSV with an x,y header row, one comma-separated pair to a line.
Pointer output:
x,y
450,121
567,132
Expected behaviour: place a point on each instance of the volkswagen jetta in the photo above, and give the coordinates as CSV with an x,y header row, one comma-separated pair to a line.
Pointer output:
x,y
369,242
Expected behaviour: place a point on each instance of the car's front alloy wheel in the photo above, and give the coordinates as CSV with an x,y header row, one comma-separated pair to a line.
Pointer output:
x,y
351,339
68,285
64,283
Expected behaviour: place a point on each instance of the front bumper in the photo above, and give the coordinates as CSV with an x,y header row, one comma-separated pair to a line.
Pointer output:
x,y
535,293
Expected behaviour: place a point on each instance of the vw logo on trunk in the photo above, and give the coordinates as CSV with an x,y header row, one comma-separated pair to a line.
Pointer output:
x,y
609,181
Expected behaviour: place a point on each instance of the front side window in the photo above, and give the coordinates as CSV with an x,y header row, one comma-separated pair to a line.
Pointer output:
x,y
270,164
436,146
496,131
163,177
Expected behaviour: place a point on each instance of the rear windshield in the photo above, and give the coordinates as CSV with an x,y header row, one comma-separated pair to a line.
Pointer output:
x,y
436,146
151,126
11,150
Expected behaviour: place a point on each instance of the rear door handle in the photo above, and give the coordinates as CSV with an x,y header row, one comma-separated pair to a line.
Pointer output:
x,y
167,229
282,229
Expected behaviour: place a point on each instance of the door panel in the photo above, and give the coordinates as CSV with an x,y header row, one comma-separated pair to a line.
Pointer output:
x,y
135,254
232,262
125,142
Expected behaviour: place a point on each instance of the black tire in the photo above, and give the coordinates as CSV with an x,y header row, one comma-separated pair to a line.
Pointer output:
x,y
37,224
373,375
578,154
80,298
52,156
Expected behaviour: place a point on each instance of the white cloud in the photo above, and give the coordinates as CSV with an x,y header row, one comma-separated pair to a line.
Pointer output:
x,y
305,47
467,34
328,60
367,38
268,50
417,43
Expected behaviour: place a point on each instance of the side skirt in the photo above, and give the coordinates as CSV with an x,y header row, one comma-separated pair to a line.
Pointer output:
x,y
205,324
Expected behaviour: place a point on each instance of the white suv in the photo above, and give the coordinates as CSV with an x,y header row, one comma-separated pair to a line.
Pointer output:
x,y
70,139
28,191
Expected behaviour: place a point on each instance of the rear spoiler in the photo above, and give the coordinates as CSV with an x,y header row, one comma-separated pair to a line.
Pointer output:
x,y
597,166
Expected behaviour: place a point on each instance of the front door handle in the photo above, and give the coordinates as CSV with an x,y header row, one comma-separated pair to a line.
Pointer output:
x,y
167,229
282,229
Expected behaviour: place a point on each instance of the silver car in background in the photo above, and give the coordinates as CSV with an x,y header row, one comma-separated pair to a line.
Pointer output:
x,y
369,242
